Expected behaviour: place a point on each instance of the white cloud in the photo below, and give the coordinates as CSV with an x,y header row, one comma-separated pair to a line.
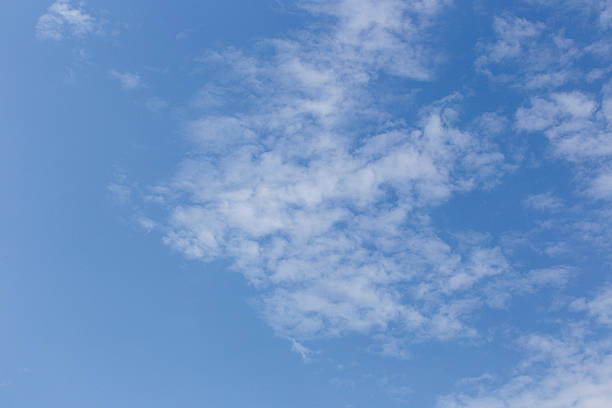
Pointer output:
x,y
383,33
600,307
579,128
62,20
545,201
499,291
601,9
492,123
486,377
321,196
146,223
571,371
302,350
528,55
127,80
601,186
120,192
536,55
553,276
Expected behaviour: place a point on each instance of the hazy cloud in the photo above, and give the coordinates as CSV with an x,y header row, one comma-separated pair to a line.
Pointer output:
x,y
62,20
129,81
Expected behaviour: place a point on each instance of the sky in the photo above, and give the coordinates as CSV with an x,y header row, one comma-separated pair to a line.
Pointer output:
x,y
306,203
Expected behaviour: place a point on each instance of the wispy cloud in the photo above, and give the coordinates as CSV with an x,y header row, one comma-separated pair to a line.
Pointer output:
x,y
528,54
599,10
120,190
567,371
129,81
577,125
302,350
63,20
544,202
599,307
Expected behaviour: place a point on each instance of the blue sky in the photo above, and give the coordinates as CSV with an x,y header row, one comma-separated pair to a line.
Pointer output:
x,y
308,203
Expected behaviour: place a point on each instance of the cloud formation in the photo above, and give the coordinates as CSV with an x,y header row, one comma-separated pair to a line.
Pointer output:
x,y
598,308
62,20
129,81
317,177
579,128
320,194
571,369
576,373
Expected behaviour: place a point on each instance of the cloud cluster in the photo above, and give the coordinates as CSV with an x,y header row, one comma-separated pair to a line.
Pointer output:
x,y
560,65
572,369
63,20
571,372
320,195
541,55
579,128
387,34
328,220
599,308
528,54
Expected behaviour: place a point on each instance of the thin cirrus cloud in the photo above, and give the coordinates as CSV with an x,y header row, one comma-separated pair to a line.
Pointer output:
x,y
576,123
302,202
128,80
63,20
599,307
543,202
577,373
